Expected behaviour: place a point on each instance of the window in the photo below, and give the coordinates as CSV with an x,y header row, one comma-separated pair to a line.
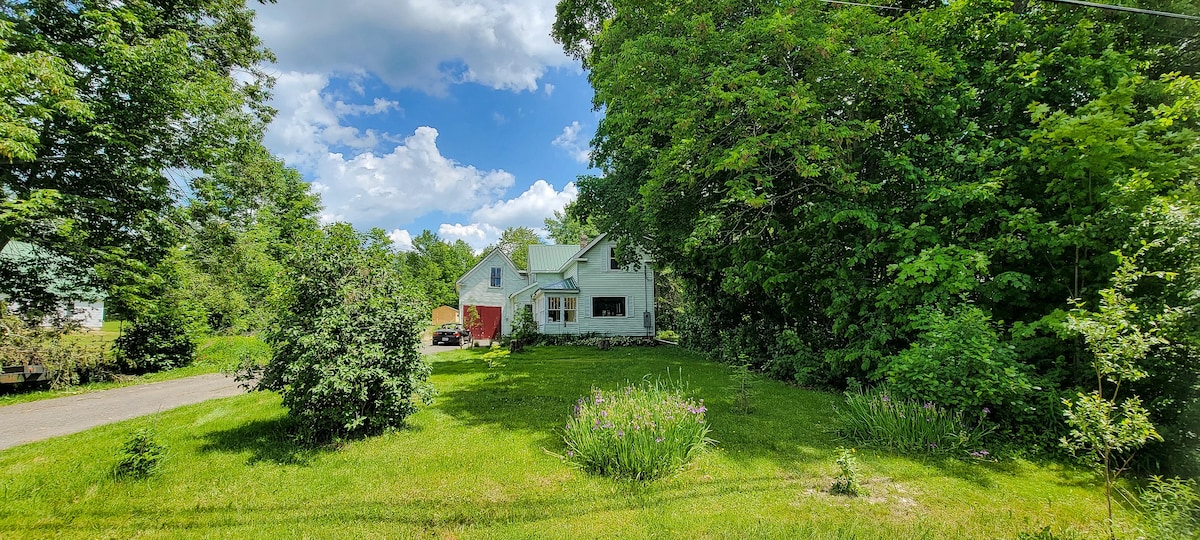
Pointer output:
x,y
495,276
561,309
569,309
608,306
612,259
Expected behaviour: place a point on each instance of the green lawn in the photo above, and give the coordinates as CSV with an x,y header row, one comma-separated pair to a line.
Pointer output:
x,y
475,464
214,354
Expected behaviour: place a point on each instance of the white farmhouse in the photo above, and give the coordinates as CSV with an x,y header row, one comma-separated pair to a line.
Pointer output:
x,y
569,289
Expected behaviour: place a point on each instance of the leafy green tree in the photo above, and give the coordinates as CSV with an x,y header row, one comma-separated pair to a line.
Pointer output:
x,y
346,342
515,241
1105,424
437,264
121,94
832,174
569,227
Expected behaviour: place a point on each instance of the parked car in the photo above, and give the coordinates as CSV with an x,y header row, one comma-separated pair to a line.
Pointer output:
x,y
452,334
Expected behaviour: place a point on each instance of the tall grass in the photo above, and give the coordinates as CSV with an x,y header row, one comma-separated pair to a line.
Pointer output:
x,y
873,418
640,432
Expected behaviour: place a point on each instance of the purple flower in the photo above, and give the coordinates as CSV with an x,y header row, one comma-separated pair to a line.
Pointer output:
x,y
620,433
570,453
658,439
928,405
884,398
986,410
604,413
933,445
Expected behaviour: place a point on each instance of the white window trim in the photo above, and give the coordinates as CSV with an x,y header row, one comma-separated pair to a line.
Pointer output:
x,y
501,285
625,316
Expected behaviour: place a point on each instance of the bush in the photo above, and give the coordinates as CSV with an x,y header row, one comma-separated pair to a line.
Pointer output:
x,y
640,432
525,329
1171,508
958,361
346,350
68,361
846,482
156,342
140,455
874,418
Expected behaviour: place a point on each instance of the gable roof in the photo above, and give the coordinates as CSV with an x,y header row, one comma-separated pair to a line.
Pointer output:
x,y
581,252
490,256
549,258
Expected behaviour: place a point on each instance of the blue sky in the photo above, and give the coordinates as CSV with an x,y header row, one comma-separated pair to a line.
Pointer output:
x,y
458,116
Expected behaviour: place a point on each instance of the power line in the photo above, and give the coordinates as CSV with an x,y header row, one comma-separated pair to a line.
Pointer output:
x,y
1127,9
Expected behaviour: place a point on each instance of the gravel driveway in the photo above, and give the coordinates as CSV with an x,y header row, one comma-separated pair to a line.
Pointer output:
x,y
37,420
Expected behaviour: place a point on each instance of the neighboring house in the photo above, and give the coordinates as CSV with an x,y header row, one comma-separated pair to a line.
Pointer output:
x,y
444,314
569,289
85,307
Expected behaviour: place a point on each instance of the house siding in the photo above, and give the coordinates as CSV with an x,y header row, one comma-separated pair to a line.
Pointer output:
x,y
596,280
474,288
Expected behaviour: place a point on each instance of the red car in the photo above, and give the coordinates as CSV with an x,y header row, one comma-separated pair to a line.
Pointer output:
x,y
452,334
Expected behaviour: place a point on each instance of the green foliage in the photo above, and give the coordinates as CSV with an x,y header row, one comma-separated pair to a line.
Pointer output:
x,y
69,362
568,227
1105,425
141,455
842,175
743,388
346,349
642,432
156,342
847,482
667,335
525,328
436,264
104,102
957,361
1170,508
515,242
494,359
874,418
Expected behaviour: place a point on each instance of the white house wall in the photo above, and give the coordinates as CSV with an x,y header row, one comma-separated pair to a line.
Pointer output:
x,y
475,290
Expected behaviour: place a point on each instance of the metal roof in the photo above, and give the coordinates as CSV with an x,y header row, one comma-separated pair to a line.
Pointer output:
x,y
564,285
550,258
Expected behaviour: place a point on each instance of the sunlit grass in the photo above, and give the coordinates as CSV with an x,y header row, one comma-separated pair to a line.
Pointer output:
x,y
478,463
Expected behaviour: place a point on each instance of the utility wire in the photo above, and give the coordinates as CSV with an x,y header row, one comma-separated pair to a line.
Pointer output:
x,y
1128,9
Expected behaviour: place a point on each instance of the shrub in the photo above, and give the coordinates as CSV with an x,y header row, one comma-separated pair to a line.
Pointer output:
x,y
525,329
494,359
958,361
1171,508
640,432
668,335
346,349
156,342
140,455
846,482
68,361
874,418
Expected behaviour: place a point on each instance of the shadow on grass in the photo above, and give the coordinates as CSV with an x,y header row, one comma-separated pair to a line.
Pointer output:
x,y
270,440
536,390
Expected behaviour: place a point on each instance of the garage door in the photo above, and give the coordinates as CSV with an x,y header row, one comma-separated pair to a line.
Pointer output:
x,y
488,324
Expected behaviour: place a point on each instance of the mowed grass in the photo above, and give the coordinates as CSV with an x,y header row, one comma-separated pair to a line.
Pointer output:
x,y
213,355
477,464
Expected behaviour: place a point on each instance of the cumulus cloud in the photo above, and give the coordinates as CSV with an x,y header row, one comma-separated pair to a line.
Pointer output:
x,y
402,239
503,44
477,235
358,180
529,209
570,141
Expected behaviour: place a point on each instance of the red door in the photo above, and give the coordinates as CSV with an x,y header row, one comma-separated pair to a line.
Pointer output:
x,y
487,325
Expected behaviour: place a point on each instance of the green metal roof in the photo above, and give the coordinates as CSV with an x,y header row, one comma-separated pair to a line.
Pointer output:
x,y
28,256
543,258
564,285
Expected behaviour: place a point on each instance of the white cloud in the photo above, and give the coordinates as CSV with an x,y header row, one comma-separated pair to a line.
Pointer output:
x,y
569,140
373,186
425,44
402,239
529,209
477,235
549,88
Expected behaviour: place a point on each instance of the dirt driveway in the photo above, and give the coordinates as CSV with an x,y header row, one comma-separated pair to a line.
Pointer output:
x,y
37,420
